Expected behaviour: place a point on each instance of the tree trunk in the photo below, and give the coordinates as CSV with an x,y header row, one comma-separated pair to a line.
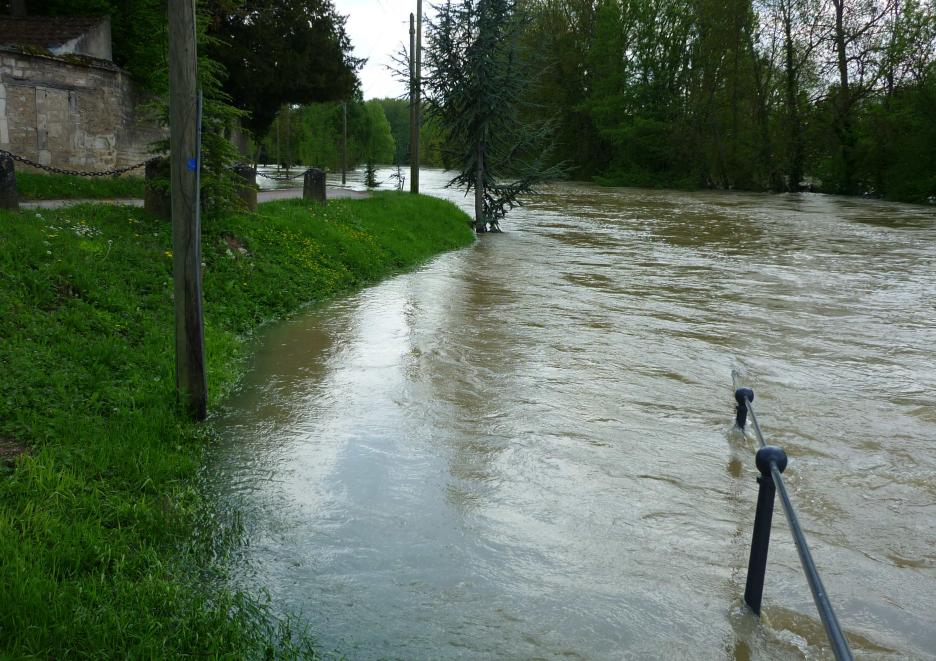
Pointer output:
x,y
762,85
17,7
795,172
889,73
480,221
843,124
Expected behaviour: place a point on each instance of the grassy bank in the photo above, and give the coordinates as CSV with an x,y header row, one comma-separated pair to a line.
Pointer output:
x,y
104,547
32,186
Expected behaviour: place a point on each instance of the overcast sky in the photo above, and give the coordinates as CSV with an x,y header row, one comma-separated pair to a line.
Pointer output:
x,y
377,29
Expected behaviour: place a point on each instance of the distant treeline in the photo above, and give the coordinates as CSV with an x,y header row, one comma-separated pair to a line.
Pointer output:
x,y
837,95
378,133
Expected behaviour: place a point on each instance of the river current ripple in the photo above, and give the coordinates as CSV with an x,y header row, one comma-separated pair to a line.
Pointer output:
x,y
524,449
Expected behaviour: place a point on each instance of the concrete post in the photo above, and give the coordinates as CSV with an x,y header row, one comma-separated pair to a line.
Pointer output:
x,y
9,200
313,186
246,186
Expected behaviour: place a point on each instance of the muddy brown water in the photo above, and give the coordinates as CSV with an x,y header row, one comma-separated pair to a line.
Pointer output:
x,y
524,449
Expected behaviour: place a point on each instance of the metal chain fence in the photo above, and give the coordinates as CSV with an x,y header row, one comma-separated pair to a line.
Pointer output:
x,y
116,171
77,173
274,177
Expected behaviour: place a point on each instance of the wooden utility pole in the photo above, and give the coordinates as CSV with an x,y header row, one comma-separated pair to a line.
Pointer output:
x,y
185,156
414,126
417,101
480,222
288,160
344,140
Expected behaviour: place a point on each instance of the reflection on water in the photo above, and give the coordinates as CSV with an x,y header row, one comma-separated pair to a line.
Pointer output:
x,y
523,449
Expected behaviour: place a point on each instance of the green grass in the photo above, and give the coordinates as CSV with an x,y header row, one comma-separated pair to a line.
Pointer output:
x,y
108,548
32,186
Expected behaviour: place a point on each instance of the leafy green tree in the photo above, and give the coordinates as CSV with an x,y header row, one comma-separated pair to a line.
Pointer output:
x,y
475,81
638,103
312,135
799,36
397,113
432,145
896,135
564,31
279,52
378,145
431,139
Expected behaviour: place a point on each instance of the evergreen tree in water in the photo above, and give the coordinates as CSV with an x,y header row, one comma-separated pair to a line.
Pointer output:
x,y
474,84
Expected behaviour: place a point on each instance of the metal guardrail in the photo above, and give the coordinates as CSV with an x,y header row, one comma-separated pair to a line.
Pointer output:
x,y
771,462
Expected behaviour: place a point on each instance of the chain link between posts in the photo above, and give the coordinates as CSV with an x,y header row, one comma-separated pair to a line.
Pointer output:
x,y
77,173
117,171
273,177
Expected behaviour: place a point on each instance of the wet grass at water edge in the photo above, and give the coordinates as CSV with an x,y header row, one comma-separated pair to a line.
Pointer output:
x,y
108,547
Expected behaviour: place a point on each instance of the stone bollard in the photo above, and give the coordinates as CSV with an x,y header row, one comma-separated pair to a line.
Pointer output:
x,y
246,186
313,186
156,199
8,197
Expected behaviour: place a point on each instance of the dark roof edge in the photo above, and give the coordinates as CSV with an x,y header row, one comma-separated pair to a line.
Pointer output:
x,y
73,60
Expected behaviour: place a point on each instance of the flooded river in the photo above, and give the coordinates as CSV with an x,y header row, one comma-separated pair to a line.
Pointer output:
x,y
525,449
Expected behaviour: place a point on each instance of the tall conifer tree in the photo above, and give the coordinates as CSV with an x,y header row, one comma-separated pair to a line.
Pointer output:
x,y
475,82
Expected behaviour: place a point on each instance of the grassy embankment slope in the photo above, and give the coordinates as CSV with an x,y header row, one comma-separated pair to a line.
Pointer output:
x,y
104,547
32,186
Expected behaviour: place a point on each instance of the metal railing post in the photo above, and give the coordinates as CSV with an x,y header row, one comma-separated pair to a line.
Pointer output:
x,y
767,458
771,462
742,397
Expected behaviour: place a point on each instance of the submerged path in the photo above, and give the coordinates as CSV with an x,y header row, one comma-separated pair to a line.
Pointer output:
x,y
262,196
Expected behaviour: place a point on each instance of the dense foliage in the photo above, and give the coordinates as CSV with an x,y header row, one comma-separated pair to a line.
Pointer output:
x,y
280,52
431,140
838,95
312,135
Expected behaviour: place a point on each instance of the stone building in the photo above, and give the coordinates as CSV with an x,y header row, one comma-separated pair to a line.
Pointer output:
x,y
63,102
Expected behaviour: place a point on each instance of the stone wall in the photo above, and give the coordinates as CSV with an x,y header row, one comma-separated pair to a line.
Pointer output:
x,y
75,113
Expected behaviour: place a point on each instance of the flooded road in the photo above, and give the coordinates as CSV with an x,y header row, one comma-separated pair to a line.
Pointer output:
x,y
524,449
